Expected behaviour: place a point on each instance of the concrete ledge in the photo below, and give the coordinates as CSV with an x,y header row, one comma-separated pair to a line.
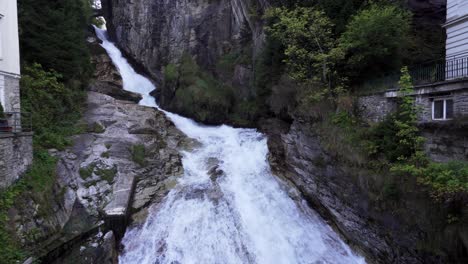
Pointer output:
x,y
20,134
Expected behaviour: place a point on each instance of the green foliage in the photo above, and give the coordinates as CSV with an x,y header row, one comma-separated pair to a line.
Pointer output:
x,y
268,68
171,73
339,11
375,40
37,184
306,34
53,34
444,178
398,136
138,154
105,155
200,95
55,108
107,174
87,172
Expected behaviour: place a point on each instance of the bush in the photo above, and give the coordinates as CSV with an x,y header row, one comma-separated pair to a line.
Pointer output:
x,y
54,35
170,73
55,108
444,178
199,95
375,41
397,137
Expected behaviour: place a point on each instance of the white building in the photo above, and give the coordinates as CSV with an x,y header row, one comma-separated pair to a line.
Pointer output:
x,y
457,28
9,56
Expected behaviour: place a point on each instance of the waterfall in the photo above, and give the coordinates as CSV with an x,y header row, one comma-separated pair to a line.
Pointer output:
x,y
227,207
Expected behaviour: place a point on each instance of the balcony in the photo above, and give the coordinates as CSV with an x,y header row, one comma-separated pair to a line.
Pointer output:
x,y
434,73
15,122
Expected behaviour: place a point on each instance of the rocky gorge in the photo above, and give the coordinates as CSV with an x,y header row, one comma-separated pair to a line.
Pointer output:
x,y
412,229
125,158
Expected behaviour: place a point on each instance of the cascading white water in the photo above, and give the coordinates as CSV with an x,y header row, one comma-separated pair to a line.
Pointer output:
x,y
236,213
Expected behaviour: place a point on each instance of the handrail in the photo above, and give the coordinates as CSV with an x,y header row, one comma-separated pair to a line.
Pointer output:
x,y
15,122
422,74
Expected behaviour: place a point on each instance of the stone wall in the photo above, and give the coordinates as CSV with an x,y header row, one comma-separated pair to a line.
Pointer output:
x,y
374,108
10,91
460,104
445,143
15,156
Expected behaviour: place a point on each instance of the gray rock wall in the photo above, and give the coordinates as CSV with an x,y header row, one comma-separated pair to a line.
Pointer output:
x,y
15,157
403,226
446,143
154,33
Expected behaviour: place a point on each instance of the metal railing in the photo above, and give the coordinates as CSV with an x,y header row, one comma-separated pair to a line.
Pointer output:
x,y
15,122
423,74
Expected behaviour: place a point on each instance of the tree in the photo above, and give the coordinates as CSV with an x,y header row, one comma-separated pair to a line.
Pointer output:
x,y
306,34
53,34
375,41
54,106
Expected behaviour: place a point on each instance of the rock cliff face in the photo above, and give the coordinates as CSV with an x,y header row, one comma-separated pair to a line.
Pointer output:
x,y
125,148
389,227
154,33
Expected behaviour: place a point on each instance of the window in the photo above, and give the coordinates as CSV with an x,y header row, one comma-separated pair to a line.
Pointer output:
x,y
442,109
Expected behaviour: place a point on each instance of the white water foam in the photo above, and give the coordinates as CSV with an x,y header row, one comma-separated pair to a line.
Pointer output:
x,y
242,214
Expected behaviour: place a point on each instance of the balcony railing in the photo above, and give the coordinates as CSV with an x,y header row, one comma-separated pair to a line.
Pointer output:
x,y
15,122
423,74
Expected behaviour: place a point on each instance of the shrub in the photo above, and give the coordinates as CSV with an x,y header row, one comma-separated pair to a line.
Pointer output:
x,y
53,34
171,73
397,137
375,40
444,178
55,108
200,95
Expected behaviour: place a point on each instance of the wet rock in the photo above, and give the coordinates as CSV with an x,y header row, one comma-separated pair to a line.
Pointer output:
x,y
348,196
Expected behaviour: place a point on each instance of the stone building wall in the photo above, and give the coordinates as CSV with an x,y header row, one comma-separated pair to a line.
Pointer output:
x,y
10,93
374,108
16,155
446,143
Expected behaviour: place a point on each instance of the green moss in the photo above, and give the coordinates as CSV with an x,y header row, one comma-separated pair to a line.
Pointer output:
x,y
108,145
107,174
96,128
87,172
138,154
105,155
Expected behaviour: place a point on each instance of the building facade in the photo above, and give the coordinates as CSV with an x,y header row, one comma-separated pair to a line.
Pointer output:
x,y
15,144
457,29
9,57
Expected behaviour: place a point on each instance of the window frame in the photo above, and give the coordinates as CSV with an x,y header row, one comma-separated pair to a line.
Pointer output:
x,y
444,108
